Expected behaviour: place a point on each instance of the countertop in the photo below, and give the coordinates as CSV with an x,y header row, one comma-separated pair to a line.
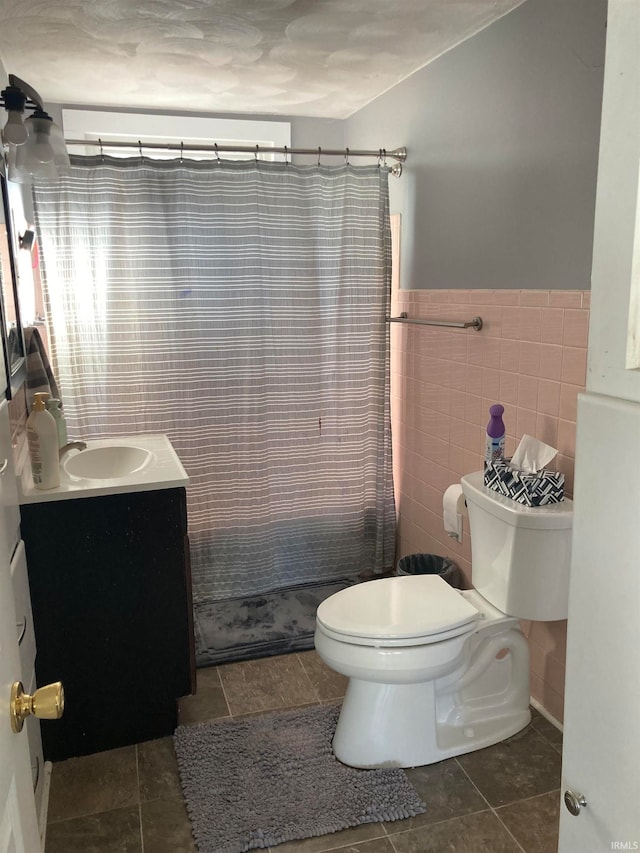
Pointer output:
x,y
165,471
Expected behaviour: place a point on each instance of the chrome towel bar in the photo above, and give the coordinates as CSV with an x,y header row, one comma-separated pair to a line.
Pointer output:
x,y
476,323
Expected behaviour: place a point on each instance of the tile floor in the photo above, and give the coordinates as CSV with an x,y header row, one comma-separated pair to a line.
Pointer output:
x,y
498,800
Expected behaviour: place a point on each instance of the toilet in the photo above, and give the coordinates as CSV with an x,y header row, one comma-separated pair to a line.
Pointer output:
x,y
434,671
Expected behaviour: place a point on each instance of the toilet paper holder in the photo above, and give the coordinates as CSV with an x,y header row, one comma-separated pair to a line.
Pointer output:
x,y
454,508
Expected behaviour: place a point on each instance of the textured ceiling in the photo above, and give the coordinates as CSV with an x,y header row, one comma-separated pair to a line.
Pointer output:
x,y
298,57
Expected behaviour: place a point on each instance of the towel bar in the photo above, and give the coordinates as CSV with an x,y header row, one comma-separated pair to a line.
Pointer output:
x,y
476,323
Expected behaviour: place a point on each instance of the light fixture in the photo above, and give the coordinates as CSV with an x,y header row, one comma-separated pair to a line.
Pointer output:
x,y
26,240
14,100
34,147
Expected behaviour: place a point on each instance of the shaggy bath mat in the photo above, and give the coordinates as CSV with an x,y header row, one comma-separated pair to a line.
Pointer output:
x,y
261,781
253,626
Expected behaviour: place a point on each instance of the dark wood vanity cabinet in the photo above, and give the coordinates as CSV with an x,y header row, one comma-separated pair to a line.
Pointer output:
x,y
111,596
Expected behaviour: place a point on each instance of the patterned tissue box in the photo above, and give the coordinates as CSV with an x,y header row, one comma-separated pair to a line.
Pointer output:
x,y
539,489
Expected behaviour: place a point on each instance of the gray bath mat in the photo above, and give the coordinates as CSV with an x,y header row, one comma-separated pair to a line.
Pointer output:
x,y
253,626
264,780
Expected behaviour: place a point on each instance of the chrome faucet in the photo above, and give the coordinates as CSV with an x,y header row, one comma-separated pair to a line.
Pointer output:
x,y
72,445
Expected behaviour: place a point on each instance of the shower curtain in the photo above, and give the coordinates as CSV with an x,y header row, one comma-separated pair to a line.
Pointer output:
x,y
238,307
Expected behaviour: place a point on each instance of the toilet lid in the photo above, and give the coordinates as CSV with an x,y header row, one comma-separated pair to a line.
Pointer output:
x,y
396,608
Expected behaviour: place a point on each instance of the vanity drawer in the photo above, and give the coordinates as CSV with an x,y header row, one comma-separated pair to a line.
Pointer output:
x,y
24,617
8,483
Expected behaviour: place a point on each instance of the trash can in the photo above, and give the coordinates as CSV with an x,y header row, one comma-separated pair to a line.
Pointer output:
x,y
430,564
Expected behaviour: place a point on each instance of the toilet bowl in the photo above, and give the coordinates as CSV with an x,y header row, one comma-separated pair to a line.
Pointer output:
x,y
405,643
436,672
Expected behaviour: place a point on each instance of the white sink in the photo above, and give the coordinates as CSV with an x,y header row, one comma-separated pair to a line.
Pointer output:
x,y
109,466
107,463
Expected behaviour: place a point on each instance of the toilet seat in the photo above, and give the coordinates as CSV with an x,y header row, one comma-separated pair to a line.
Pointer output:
x,y
400,611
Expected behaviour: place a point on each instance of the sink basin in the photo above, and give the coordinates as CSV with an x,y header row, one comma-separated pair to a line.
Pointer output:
x,y
107,463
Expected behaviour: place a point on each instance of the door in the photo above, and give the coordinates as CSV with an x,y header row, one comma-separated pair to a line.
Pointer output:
x,y
601,756
18,822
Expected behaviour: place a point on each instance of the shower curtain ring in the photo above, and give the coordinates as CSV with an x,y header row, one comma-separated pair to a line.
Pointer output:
x,y
379,158
215,145
257,152
101,149
286,160
346,157
319,153
140,149
181,151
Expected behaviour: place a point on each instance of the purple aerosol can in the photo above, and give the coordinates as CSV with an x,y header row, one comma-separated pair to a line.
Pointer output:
x,y
495,435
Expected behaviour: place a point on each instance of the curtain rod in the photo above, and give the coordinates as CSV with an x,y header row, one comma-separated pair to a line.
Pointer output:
x,y
398,154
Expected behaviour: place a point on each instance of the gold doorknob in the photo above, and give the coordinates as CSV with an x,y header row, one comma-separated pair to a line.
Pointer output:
x,y
47,703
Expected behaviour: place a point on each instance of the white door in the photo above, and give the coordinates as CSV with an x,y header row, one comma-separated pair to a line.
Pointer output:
x,y
601,756
18,822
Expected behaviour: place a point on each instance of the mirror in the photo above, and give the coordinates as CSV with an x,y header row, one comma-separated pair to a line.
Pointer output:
x,y
12,337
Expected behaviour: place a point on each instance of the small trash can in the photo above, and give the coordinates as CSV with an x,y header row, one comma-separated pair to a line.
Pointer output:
x,y
430,564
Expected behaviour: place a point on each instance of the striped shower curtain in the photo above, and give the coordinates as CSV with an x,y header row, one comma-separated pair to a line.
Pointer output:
x,y
238,307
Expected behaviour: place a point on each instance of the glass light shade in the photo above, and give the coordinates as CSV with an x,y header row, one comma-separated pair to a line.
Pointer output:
x,y
18,175
38,146
22,172
14,131
60,153
44,155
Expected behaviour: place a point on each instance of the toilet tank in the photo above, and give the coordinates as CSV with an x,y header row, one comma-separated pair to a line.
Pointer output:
x,y
520,555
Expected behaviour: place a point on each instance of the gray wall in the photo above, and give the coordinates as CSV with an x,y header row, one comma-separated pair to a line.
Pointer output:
x,y
502,133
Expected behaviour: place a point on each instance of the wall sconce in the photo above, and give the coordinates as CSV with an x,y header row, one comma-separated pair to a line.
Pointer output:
x,y
33,147
26,240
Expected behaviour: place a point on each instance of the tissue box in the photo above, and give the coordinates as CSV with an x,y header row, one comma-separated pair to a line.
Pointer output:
x,y
539,489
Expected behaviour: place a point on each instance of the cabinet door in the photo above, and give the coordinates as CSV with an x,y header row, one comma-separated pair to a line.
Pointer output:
x,y
111,611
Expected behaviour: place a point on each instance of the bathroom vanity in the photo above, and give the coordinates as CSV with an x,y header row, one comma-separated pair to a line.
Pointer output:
x,y
111,597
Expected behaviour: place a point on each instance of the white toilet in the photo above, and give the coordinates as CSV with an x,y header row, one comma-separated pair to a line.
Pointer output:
x,y
433,671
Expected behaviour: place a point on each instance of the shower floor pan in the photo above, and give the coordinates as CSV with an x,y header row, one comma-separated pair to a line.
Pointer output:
x,y
260,625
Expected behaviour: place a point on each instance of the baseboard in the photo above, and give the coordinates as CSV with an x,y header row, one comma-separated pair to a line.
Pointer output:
x,y
542,710
44,806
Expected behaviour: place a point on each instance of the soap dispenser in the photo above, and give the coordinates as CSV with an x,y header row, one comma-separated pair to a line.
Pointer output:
x,y
54,407
42,437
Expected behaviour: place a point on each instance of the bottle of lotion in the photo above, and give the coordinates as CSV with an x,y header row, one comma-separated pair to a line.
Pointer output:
x,y
495,435
42,437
